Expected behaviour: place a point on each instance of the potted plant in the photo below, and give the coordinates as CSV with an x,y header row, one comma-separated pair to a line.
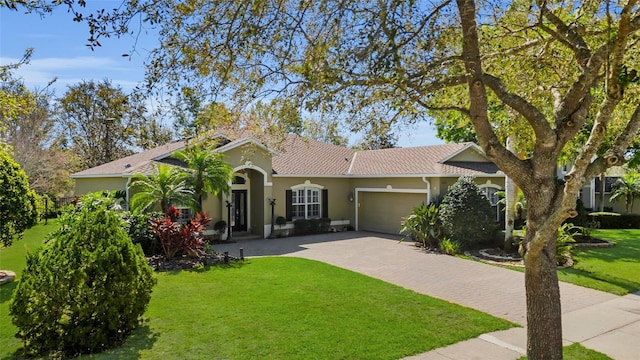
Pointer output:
x,y
221,228
280,221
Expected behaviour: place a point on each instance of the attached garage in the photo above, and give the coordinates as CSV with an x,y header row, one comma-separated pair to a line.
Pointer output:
x,y
382,211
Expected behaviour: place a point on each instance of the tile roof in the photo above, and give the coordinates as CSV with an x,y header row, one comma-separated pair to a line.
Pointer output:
x,y
303,156
307,157
403,161
140,162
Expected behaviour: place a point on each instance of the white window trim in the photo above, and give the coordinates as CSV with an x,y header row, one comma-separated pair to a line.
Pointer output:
x,y
487,185
307,186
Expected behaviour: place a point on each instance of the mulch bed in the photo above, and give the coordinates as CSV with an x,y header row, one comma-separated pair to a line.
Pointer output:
x,y
160,263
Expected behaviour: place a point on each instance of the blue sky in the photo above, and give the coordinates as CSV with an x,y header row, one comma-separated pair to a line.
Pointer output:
x,y
60,52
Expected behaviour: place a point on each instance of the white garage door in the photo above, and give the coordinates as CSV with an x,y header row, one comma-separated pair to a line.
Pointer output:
x,y
383,211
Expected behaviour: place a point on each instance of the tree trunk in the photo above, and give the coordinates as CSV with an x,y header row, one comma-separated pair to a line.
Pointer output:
x,y
544,314
509,208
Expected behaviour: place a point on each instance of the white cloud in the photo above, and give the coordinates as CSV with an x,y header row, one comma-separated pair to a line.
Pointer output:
x,y
68,71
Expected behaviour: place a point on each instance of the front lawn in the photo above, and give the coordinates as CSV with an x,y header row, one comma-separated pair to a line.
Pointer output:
x,y
613,269
279,308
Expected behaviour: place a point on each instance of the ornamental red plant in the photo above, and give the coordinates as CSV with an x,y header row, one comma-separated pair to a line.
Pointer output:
x,y
176,238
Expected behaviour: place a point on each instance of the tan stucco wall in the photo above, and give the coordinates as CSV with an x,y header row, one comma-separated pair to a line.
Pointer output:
x,y
340,208
89,185
250,153
469,155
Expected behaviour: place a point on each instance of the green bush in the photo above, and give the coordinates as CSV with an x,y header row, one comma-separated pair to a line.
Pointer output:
x,y
325,225
86,288
302,226
466,214
608,220
37,209
140,232
423,225
17,201
314,226
449,247
564,244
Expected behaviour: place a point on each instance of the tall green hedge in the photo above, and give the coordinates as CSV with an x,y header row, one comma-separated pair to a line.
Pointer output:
x,y
17,201
466,214
85,289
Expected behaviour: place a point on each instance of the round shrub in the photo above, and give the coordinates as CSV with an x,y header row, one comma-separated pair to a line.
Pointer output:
x,y
85,289
466,214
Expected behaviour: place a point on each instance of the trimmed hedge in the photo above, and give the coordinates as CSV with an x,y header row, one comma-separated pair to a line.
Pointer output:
x,y
608,220
312,226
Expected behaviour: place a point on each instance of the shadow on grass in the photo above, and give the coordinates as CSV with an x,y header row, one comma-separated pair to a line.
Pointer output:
x,y
629,286
142,338
6,291
218,267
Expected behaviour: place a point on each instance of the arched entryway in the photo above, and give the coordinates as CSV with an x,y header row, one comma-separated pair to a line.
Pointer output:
x,y
239,202
247,200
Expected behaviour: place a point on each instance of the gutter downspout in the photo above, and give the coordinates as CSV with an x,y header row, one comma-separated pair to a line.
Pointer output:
x,y
127,196
424,178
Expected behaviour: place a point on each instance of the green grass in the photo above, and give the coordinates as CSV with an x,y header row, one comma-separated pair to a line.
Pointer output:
x,y
579,352
278,308
614,270
13,258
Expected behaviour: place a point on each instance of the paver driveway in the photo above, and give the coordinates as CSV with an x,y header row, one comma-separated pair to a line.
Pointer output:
x,y
490,289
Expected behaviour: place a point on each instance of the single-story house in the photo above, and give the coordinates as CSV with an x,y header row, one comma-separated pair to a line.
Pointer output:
x,y
364,189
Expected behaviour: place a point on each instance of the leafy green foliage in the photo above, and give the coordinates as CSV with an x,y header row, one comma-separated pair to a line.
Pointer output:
x,y
423,225
466,214
627,188
18,203
564,244
209,172
100,121
139,230
170,185
176,238
86,288
449,247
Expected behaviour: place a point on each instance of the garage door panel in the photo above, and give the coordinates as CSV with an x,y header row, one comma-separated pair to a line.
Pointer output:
x,y
383,212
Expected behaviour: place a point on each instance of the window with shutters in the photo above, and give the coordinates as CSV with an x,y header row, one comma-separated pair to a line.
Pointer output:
x,y
307,201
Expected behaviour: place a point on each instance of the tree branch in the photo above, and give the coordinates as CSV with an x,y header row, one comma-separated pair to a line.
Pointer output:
x,y
534,116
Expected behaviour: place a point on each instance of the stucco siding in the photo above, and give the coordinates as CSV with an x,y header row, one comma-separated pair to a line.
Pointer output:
x,y
469,155
339,191
250,155
89,185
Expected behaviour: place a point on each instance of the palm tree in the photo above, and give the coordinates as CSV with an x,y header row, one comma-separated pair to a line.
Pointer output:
x,y
627,187
168,186
209,172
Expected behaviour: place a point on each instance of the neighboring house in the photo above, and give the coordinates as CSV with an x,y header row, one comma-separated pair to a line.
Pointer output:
x,y
366,189
590,193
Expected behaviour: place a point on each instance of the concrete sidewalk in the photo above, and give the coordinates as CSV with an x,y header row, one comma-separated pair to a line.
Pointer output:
x,y
598,320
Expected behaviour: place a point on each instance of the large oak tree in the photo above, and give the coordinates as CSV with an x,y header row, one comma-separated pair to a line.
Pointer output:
x,y
562,69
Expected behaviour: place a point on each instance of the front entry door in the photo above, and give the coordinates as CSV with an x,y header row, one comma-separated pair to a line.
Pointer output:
x,y
239,210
